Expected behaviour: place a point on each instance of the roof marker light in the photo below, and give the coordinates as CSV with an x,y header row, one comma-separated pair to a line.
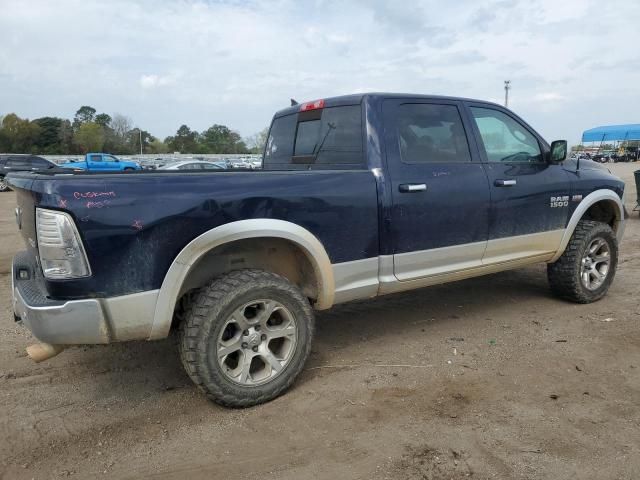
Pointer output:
x,y
315,105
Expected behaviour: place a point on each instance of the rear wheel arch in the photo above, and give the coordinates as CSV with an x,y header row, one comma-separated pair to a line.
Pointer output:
x,y
278,246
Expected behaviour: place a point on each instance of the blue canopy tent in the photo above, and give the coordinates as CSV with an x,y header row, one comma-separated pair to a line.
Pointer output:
x,y
610,133
617,133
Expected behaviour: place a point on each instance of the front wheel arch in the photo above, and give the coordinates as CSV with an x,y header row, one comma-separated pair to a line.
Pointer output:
x,y
610,201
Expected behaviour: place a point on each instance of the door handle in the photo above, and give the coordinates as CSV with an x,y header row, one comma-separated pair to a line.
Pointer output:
x,y
412,187
505,183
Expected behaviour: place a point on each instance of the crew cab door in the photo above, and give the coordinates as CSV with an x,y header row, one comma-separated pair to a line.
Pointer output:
x,y
529,196
94,162
440,213
109,162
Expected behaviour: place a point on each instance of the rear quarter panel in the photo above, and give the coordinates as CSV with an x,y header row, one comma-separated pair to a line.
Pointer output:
x,y
133,226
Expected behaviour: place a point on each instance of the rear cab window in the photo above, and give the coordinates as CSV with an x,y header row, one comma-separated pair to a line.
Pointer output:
x,y
326,138
17,162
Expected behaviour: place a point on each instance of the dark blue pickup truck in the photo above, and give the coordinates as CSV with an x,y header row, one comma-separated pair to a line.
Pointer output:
x,y
359,196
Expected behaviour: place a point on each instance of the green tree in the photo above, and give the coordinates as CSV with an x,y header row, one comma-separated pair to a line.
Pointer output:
x,y
83,115
158,146
184,141
135,136
19,135
48,141
103,120
221,139
65,138
89,137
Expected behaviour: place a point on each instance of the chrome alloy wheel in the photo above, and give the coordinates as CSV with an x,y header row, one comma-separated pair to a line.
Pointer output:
x,y
3,185
256,342
595,264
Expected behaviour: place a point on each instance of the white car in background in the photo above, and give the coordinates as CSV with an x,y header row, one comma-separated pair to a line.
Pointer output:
x,y
193,165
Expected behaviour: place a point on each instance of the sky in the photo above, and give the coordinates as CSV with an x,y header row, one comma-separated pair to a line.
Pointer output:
x,y
573,64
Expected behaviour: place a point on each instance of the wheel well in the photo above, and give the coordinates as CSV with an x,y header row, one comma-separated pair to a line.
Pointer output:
x,y
275,255
605,211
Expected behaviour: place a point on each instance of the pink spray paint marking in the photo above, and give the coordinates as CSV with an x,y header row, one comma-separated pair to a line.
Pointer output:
x,y
81,195
100,204
137,224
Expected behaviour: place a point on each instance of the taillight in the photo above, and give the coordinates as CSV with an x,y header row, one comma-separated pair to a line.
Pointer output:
x,y
61,251
315,105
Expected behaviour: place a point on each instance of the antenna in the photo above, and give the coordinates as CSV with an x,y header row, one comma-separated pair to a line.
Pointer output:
x,y
507,87
293,102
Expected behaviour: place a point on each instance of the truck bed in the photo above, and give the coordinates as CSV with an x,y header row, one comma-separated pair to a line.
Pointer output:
x,y
133,225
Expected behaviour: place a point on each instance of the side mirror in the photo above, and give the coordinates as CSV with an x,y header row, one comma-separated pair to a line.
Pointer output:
x,y
558,151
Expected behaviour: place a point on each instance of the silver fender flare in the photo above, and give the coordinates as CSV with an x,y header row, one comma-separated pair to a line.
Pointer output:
x,y
230,232
588,201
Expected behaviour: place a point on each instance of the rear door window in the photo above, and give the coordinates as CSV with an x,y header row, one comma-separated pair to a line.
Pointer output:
x,y
431,133
330,138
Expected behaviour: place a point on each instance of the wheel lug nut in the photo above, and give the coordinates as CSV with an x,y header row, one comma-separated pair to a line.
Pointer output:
x,y
263,337
255,349
244,345
257,327
245,333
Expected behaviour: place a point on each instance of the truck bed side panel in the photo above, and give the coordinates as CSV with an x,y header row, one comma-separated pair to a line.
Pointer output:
x,y
133,226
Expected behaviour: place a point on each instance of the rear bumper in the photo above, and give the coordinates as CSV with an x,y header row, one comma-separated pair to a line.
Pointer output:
x,y
85,321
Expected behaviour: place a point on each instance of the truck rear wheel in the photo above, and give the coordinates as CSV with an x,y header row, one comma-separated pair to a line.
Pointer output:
x,y
245,337
584,272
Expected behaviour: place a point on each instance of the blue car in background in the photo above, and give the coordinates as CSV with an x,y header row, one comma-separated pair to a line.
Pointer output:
x,y
102,162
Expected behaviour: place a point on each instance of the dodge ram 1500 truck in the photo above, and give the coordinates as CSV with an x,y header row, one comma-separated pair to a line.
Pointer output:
x,y
359,196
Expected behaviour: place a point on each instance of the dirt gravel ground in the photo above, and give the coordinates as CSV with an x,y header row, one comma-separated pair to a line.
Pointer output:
x,y
504,381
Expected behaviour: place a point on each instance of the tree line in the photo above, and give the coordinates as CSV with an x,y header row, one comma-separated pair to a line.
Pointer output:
x,y
90,131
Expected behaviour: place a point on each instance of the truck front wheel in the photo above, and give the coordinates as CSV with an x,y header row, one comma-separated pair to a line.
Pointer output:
x,y
584,272
245,337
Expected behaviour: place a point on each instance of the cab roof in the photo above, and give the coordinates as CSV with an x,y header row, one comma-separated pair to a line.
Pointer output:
x,y
355,99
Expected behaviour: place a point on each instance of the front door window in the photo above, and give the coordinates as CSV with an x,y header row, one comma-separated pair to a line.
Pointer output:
x,y
505,140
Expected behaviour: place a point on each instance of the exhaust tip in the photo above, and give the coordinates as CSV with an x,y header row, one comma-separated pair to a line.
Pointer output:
x,y
39,352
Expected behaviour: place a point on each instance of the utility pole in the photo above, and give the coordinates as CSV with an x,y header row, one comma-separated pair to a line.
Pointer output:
x,y
507,87
140,132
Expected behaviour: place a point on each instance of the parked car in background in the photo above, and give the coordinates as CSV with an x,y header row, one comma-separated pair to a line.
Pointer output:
x,y
243,164
224,163
102,162
23,163
193,165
